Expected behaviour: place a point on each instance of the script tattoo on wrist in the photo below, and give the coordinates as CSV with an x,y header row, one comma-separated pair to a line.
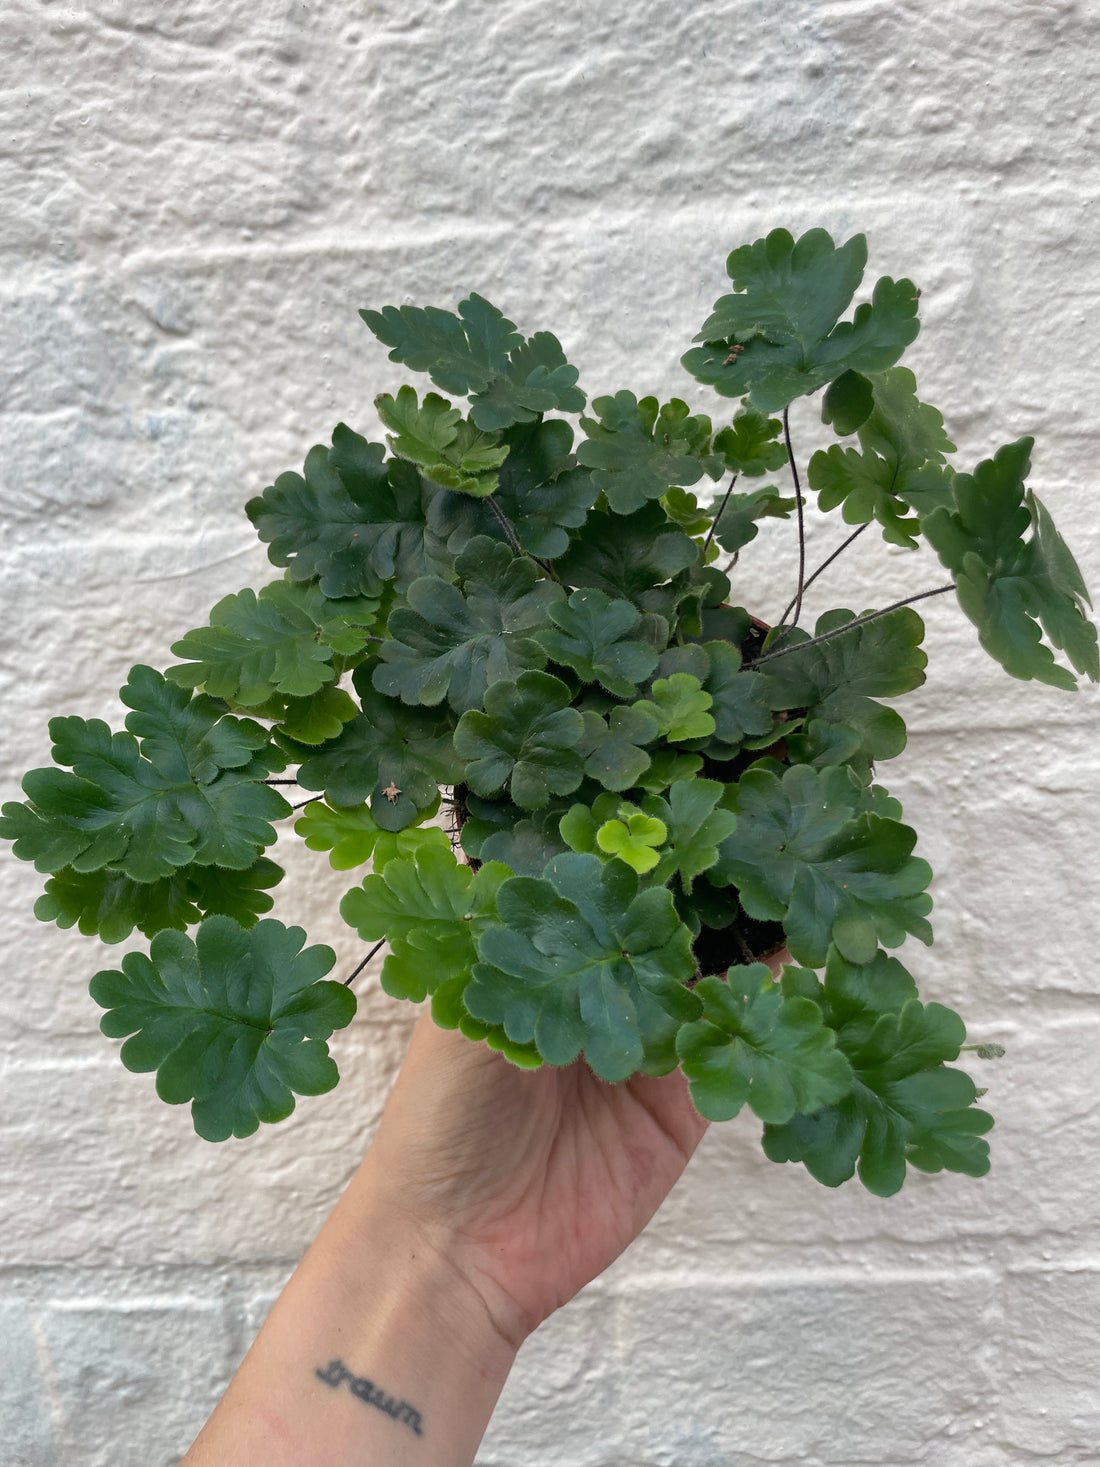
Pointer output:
x,y
336,1373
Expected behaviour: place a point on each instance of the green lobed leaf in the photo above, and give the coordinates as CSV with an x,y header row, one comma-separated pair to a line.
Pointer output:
x,y
451,450
183,785
805,854
1015,590
581,960
429,909
738,515
778,336
612,746
352,836
109,905
695,828
279,641
631,837
453,641
479,352
754,1045
627,556
679,707
592,634
310,720
541,494
905,1104
388,746
527,738
235,1022
742,701
838,680
847,402
751,444
638,449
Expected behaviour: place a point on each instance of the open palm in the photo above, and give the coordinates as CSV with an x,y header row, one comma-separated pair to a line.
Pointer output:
x,y
532,1181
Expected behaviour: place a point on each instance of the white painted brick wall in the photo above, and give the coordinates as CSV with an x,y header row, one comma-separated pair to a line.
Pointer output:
x,y
195,197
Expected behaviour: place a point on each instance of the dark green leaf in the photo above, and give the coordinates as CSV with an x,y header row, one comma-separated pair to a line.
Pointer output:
x,y
612,746
182,786
777,337
527,737
1013,589
282,640
678,705
737,518
806,855
838,680
453,642
597,638
847,402
581,960
755,1045
627,555
235,1022
480,352
111,905
636,450
387,745
353,520
695,828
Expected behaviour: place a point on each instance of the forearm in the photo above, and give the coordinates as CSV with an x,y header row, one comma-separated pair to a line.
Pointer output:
x,y
377,1351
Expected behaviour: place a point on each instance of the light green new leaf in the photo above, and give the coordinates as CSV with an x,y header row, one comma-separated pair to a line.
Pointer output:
x,y
452,642
527,737
183,785
280,641
838,680
779,335
479,352
351,519
593,635
110,905
451,451
429,909
235,1022
1013,589
353,837
805,854
388,746
631,837
679,707
755,1045
637,450
582,960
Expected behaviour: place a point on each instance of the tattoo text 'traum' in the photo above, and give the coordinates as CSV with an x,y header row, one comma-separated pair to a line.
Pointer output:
x,y
336,1373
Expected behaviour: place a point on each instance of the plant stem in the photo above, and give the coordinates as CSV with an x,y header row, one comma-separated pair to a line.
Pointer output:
x,y
278,781
797,603
717,517
349,981
825,564
513,539
859,621
311,801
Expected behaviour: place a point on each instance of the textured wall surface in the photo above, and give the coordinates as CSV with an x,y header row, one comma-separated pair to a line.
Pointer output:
x,y
195,197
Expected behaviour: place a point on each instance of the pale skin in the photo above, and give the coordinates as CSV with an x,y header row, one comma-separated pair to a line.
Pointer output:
x,y
489,1197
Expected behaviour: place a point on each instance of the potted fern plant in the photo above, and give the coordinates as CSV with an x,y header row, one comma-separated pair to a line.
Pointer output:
x,y
646,793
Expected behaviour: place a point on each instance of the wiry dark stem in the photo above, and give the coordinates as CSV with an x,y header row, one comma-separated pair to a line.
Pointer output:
x,y
349,981
278,781
859,621
303,803
825,564
717,517
797,602
513,539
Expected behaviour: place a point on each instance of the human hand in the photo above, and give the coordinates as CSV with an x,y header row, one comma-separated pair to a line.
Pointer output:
x,y
529,1183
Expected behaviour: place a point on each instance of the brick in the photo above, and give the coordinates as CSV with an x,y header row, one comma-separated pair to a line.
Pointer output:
x,y
1049,1361
27,1392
